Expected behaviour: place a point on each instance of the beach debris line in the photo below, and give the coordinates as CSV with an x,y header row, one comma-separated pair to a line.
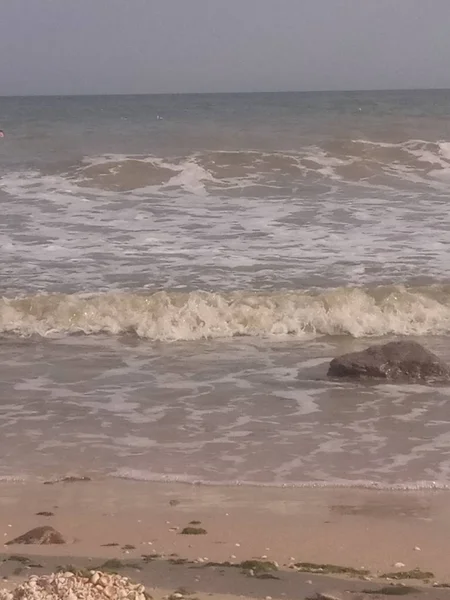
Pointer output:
x,y
92,585
40,536
395,361
328,569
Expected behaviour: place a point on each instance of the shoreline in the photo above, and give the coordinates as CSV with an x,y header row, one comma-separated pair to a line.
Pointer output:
x,y
362,529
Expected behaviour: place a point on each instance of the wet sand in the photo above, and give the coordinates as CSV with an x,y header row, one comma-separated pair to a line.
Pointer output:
x,y
128,520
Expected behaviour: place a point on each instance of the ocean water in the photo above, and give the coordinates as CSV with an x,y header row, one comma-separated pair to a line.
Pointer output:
x,y
178,271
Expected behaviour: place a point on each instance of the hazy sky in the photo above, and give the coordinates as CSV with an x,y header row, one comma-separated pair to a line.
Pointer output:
x,y
140,46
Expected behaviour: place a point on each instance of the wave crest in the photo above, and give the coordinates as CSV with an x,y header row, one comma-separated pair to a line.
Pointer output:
x,y
171,316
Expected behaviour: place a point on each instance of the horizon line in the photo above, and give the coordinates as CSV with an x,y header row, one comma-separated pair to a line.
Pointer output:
x,y
321,91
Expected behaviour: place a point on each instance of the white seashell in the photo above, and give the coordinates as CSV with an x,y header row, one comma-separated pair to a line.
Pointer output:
x,y
95,577
399,565
109,591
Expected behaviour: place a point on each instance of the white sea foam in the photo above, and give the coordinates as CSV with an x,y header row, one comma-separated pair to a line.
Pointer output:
x,y
229,220
172,316
227,170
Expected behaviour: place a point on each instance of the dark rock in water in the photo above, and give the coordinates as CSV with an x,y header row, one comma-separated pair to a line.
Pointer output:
x,y
407,361
40,536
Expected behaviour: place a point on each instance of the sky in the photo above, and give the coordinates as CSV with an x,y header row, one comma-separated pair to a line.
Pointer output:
x,y
165,46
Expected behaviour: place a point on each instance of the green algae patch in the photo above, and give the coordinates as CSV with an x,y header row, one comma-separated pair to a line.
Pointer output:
x,y
19,558
326,569
113,565
193,531
413,574
226,563
178,561
258,567
150,557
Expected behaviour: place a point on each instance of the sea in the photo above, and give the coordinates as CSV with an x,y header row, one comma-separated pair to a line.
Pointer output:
x,y
177,272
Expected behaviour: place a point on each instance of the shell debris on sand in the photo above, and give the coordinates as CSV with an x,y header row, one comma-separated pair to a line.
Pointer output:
x,y
71,586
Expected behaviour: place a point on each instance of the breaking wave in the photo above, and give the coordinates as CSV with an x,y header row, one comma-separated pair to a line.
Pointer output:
x,y
351,161
172,316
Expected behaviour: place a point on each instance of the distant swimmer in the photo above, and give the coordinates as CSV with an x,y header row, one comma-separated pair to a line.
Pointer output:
x,y
2,133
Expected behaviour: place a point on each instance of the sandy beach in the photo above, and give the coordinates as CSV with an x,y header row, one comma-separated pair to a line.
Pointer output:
x,y
141,523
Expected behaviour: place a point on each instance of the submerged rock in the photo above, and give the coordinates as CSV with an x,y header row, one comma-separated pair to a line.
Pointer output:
x,y
404,360
39,535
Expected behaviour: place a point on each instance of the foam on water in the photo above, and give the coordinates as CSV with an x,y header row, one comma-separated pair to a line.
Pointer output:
x,y
353,213
396,162
246,411
170,316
